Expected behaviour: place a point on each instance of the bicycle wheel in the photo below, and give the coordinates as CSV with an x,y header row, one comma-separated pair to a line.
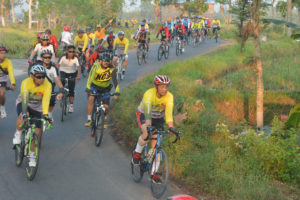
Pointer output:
x,y
19,151
216,36
137,171
177,49
140,55
160,164
99,128
63,107
160,52
31,171
166,54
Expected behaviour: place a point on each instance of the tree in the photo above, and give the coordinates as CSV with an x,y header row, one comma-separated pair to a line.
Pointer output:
x,y
228,19
29,13
194,7
289,15
2,13
281,7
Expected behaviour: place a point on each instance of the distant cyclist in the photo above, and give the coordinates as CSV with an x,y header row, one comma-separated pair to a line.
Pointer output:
x,y
52,39
142,38
91,36
6,72
180,32
121,45
216,25
66,38
109,39
163,31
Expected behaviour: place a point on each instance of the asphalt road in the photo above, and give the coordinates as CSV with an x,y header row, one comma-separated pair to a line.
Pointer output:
x,y
71,166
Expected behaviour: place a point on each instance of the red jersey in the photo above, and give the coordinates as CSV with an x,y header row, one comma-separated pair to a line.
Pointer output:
x,y
181,28
53,41
93,58
164,32
208,23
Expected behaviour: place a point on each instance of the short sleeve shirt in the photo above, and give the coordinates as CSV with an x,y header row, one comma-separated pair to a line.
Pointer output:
x,y
68,65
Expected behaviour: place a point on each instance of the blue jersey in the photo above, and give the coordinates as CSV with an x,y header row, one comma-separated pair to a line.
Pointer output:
x,y
186,23
170,26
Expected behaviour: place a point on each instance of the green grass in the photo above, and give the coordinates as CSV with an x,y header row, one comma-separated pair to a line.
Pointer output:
x,y
207,157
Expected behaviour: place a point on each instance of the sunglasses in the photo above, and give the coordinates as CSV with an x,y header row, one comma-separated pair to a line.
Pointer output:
x,y
71,51
47,57
44,40
40,77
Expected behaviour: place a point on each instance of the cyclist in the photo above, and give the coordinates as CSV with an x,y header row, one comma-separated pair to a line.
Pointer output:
x,y
120,47
110,38
52,77
164,32
170,26
216,25
91,37
208,26
81,40
96,56
45,44
202,26
186,24
155,108
180,32
88,55
70,68
99,82
195,26
33,101
100,32
142,38
66,38
6,72
52,39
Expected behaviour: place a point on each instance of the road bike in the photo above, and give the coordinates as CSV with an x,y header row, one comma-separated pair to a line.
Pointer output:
x,y
98,116
29,137
195,38
120,66
163,50
154,161
141,53
178,46
64,99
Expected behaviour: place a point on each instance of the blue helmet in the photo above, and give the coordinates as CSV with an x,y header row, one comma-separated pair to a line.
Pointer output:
x,y
143,24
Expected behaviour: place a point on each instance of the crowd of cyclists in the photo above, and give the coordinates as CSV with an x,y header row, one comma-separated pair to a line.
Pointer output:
x,y
97,54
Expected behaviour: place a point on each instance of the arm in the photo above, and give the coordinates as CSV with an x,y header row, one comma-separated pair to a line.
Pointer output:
x,y
109,22
169,112
24,96
91,75
33,53
115,81
11,74
126,46
147,104
46,98
86,41
79,70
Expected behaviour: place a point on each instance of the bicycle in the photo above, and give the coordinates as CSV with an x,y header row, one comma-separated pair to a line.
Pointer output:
x,y
195,38
64,99
120,65
216,33
29,137
149,160
162,50
141,53
98,116
178,46
82,63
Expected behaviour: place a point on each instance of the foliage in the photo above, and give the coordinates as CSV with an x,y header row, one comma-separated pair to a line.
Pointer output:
x,y
281,7
195,7
294,118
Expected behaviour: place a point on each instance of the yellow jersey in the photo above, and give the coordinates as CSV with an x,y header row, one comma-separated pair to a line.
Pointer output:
x,y
101,77
195,25
154,107
81,42
8,71
216,23
92,38
121,44
36,97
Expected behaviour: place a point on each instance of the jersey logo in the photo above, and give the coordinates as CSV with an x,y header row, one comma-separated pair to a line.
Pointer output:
x,y
103,76
163,105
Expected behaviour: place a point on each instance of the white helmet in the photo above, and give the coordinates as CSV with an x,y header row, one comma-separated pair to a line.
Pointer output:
x,y
38,69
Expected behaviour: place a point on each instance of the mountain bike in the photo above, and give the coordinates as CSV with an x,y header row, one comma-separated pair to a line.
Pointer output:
x,y
178,46
162,50
195,38
141,53
64,99
154,161
29,137
98,116
82,63
120,65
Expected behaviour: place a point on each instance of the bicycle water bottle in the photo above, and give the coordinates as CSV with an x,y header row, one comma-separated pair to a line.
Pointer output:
x,y
150,155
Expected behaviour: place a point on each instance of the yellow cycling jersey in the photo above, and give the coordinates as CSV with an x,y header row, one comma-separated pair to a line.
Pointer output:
x,y
7,71
35,43
216,22
121,44
92,38
82,42
202,23
101,77
195,25
36,97
154,107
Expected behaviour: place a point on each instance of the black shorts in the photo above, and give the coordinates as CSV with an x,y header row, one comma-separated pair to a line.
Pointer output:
x,y
216,28
71,83
101,90
157,123
53,99
163,37
181,36
32,114
3,84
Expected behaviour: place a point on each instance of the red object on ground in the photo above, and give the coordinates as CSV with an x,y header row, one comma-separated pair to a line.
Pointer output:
x,y
182,197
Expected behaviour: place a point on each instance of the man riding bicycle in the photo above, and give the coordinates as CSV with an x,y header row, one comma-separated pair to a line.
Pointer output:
x,y
99,82
155,109
186,24
109,39
33,101
81,40
180,32
91,37
6,72
216,25
170,26
165,34
121,45
195,26
142,38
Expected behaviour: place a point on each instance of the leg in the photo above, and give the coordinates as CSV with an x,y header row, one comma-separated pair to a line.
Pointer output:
x,y
90,108
115,61
2,96
125,62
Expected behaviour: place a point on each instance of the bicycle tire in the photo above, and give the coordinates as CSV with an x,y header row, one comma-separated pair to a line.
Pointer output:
x,y
140,56
216,36
159,189
177,49
63,108
137,171
160,53
99,128
31,171
166,54
19,151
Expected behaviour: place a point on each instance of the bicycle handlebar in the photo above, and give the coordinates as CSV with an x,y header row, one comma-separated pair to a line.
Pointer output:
x,y
154,131
43,120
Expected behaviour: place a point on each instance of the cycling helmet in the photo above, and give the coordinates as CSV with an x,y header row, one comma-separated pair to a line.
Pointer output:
x,y
143,24
106,57
66,28
162,24
121,33
161,80
46,51
3,48
88,28
81,31
37,69
44,36
169,20
39,35
100,48
182,197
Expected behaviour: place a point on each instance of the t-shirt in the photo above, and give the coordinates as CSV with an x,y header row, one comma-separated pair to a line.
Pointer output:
x,y
52,73
66,37
100,34
68,66
8,72
39,48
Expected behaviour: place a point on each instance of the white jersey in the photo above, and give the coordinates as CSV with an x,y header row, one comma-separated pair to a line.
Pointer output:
x,y
68,66
52,73
66,37
39,48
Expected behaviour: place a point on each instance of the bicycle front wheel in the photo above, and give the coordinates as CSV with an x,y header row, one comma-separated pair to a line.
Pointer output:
x,y
166,54
139,56
160,167
19,151
99,128
177,50
159,53
31,171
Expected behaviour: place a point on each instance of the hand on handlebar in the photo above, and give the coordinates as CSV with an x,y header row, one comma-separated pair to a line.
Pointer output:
x,y
13,87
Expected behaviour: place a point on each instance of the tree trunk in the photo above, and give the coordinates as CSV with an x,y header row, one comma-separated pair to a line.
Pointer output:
x,y
227,19
260,85
12,8
2,13
29,14
272,2
49,20
289,15
157,13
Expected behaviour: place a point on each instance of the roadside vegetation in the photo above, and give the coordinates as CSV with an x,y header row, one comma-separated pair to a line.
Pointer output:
x,y
221,153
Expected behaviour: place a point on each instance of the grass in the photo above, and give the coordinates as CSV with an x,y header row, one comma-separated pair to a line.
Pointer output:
x,y
207,157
